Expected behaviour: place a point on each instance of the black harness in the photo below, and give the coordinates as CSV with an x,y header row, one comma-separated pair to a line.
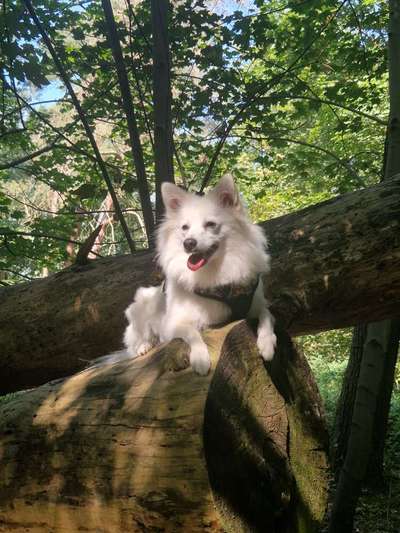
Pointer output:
x,y
237,297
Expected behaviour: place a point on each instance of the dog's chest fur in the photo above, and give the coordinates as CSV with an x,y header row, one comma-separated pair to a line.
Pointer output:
x,y
185,304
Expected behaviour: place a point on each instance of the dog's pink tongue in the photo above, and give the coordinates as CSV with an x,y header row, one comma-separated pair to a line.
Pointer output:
x,y
195,261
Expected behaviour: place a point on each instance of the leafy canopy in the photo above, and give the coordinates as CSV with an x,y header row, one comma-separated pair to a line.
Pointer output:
x,y
297,92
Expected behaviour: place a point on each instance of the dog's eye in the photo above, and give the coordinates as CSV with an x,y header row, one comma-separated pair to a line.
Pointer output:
x,y
210,224
185,227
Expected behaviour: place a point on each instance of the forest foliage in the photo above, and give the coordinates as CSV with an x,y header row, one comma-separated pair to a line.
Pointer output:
x,y
295,93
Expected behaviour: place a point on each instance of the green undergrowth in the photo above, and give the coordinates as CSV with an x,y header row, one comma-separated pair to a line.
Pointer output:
x,y
327,353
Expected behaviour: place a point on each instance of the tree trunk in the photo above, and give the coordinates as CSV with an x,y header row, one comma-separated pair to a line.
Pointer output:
x,y
103,220
359,445
393,145
127,102
345,405
374,474
344,411
163,143
333,265
392,167
379,355
148,445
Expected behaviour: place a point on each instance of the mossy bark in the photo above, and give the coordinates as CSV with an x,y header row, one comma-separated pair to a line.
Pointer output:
x,y
147,445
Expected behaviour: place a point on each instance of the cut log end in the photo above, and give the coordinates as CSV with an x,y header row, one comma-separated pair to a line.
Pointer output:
x,y
147,445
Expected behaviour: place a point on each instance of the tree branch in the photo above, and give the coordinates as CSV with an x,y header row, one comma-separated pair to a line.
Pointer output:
x,y
24,102
28,157
38,234
163,142
79,211
393,145
342,162
62,134
140,92
12,132
256,95
15,273
136,146
83,119
6,232
378,120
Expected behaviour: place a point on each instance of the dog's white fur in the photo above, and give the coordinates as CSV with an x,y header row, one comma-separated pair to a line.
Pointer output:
x,y
240,255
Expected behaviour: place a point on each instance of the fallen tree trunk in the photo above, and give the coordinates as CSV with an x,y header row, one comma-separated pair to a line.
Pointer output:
x,y
148,445
334,264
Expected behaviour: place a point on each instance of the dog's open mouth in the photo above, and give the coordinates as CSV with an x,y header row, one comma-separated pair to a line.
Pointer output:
x,y
199,259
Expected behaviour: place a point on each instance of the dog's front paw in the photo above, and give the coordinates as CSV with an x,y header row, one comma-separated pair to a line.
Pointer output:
x,y
200,360
266,343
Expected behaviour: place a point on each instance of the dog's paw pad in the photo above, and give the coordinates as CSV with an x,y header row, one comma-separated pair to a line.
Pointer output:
x,y
266,345
144,348
200,360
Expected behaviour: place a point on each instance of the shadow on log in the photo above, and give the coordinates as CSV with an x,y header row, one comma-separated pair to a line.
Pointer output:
x,y
147,445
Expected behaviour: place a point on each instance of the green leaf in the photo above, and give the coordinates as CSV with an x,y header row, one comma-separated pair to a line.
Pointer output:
x,y
86,190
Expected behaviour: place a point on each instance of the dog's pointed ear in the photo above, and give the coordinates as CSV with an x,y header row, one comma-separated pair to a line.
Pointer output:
x,y
226,192
173,196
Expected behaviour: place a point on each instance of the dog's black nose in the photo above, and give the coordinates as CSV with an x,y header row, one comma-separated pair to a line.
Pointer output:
x,y
189,244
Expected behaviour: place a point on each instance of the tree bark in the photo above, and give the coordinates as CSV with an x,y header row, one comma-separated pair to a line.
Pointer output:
x,y
379,355
392,167
344,411
127,102
345,405
163,142
374,474
393,146
148,445
359,445
333,265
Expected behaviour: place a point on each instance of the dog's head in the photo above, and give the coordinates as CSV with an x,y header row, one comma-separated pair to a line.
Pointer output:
x,y
200,235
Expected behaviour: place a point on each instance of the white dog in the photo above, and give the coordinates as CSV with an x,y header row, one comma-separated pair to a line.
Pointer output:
x,y
204,243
